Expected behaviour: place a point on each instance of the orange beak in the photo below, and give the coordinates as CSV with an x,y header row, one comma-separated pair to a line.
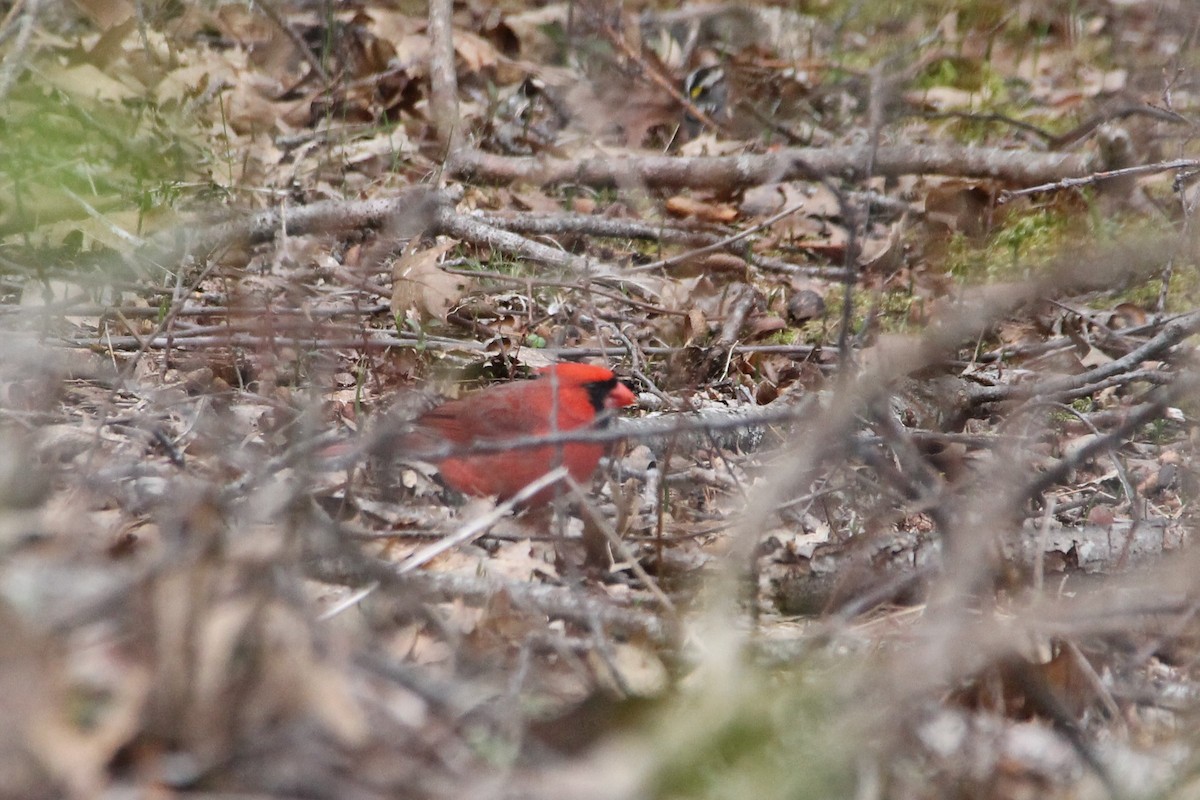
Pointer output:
x,y
620,397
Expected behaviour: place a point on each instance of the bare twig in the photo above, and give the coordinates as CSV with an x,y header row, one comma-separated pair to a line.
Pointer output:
x,y
467,533
412,210
1098,177
1069,386
443,79
595,225
554,601
1142,415
722,244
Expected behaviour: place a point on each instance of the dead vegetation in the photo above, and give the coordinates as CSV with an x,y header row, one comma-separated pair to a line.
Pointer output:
x,y
908,293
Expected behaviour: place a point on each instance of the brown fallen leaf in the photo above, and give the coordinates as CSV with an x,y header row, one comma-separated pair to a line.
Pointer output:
x,y
419,287
763,325
961,206
681,206
804,305
1128,315
107,14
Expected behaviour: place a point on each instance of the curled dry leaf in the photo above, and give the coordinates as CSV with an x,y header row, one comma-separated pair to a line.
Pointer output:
x,y
883,254
420,288
809,200
1128,315
962,207
804,305
681,206
762,325
476,52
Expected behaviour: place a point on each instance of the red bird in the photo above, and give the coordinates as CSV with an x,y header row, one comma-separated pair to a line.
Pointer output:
x,y
564,397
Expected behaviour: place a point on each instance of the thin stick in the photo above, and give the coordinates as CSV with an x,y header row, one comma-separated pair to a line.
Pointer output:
x,y
1039,564
1097,177
469,532
721,244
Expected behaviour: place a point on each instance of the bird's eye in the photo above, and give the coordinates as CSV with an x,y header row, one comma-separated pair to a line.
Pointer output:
x,y
598,392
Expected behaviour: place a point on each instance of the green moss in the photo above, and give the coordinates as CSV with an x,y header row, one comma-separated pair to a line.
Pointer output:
x,y
1183,292
968,74
1029,237
1184,288
889,311
504,263
787,336
1020,247
1159,432
1028,241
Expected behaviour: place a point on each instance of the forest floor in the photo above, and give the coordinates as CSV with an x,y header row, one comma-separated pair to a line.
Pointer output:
x,y
908,293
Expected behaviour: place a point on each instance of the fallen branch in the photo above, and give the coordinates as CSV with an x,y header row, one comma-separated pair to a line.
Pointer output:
x,y
375,340
729,173
840,575
414,208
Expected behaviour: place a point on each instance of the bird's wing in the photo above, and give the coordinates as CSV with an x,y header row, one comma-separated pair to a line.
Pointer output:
x,y
510,411
494,415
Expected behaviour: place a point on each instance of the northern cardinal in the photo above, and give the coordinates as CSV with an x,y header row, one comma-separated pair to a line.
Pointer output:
x,y
564,397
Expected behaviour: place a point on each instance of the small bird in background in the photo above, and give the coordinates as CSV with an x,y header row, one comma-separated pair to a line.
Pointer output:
x,y
564,397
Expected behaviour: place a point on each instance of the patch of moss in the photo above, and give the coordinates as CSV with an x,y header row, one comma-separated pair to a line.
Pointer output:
x,y
1184,288
1025,242
1183,291
889,311
503,263
968,74
787,336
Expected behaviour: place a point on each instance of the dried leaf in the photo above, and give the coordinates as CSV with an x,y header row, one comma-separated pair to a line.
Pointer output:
x,y
884,255
682,206
640,671
420,288
107,14
805,305
476,52
89,83
763,325
1128,315
961,207
521,561
713,265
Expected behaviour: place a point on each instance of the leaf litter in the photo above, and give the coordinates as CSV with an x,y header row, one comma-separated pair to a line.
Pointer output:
x,y
947,497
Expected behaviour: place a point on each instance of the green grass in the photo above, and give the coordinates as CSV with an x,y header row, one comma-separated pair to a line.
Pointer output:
x,y
67,156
